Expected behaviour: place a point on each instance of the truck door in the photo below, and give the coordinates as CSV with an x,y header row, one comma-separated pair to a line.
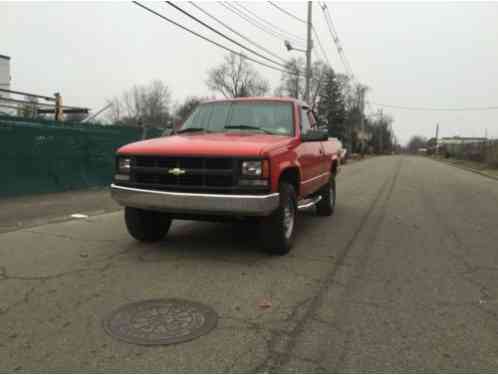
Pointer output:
x,y
310,156
324,158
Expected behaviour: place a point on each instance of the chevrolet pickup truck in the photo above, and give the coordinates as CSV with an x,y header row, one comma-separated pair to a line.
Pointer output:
x,y
261,159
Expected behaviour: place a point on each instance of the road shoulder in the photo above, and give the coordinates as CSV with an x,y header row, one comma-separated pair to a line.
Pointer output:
x,y
469,166
29,211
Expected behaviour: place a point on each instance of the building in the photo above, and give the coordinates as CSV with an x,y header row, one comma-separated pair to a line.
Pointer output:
x,y
5,77
459,140
461,147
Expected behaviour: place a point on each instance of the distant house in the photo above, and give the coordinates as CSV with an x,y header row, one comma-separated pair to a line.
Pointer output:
x,y
5,72
459,140
461,147
5,79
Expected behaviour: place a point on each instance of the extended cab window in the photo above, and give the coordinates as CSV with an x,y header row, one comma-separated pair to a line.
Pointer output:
x,y
305,121
257,116
312,120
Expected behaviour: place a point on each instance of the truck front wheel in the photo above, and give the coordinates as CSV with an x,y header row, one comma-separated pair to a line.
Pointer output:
x,y
277,230
326,205
146,226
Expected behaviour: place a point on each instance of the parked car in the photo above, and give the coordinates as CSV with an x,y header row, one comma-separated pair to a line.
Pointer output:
x,y
262,158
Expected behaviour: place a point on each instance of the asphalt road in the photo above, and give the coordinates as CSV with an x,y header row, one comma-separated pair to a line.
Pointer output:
x,y
404,277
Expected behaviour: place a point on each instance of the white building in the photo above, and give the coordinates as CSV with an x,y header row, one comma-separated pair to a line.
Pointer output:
x,y
459,140
5,77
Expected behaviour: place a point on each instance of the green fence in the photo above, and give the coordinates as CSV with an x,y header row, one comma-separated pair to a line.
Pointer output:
x,y
39,156
484,151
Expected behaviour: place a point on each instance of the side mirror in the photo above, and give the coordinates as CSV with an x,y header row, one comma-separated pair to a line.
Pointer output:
x,y
315,136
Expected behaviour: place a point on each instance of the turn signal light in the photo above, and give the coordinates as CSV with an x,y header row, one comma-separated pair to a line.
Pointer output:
x,y
265,169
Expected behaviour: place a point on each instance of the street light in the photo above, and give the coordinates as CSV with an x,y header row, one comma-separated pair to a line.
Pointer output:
x,y
289,47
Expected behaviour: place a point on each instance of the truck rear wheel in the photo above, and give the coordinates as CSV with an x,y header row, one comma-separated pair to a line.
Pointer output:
x,y
326,206
277,230
146,226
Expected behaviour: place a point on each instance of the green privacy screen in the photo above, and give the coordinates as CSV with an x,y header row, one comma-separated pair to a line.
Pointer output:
x,y
39,156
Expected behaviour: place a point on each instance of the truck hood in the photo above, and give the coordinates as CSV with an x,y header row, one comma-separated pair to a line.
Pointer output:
x,y
216,144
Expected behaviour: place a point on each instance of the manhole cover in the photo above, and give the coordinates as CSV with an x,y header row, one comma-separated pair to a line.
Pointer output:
x,y
160,321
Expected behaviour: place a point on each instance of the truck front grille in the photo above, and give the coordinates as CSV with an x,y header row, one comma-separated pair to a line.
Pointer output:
x,y
196,175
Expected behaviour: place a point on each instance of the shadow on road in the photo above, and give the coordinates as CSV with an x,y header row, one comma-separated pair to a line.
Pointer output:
x,y
237,242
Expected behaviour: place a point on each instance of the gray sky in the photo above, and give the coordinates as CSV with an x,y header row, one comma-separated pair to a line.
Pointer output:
x,y
409,54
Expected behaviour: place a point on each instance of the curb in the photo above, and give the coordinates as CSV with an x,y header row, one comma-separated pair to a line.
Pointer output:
x,y
467,169
53,220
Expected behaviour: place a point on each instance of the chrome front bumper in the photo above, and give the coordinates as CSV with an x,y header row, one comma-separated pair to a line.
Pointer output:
x,y
192,203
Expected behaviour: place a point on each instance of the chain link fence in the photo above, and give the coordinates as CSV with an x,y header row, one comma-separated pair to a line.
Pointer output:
x,y
41,156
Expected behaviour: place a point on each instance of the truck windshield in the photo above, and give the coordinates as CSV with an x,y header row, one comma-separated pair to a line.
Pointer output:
x,y
259,116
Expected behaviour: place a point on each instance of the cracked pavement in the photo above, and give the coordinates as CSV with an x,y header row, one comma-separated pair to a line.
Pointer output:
x,y
404,277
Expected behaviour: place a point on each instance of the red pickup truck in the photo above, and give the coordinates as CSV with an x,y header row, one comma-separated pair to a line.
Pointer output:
x,y
262,158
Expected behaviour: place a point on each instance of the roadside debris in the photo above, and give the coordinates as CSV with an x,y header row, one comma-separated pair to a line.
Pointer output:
x,y
264,303
79,216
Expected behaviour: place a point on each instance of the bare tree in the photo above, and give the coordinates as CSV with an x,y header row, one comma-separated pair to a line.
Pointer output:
x,y
416,142
319,70
235,77
184,110
147,105
116,111
134,101
292,80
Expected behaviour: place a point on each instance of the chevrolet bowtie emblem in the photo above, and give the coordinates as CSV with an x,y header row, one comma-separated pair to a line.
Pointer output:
x,y
177,171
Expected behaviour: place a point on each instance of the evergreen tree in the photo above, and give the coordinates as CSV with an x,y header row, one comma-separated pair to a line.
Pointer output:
x,y
331,107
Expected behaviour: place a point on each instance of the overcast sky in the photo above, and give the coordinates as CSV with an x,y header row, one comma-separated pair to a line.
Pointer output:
x,y
409,54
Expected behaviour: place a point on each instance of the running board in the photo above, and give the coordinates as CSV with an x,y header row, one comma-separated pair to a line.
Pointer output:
x,y
307,203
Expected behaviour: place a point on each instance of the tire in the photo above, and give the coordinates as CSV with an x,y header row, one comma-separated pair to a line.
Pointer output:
x,y
326,205
277,230
146,226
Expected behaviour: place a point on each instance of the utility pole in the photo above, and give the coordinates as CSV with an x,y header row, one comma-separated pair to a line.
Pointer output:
x,y
309,46
361,98
59,112
381,139
437,137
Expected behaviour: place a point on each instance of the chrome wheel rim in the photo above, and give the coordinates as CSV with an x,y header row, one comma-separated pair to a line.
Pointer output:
x,y
289,213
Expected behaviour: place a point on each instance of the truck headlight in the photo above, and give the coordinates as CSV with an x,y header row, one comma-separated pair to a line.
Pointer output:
x,y
255,168
124,165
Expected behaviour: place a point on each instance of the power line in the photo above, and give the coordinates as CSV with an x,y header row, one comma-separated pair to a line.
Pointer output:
x,y
230,7
209,40
287,12
271,25
304,22
223,35
409,108
236,32
320,45
335,38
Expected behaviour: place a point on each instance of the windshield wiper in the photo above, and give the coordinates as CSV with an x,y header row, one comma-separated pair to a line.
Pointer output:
x,y
248,127
189,130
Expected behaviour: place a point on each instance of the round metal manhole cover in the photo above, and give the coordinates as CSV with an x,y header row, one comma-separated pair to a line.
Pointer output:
x,y
160,321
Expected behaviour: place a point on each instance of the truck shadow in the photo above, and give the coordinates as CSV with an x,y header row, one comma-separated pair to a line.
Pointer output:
x,y
237,242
